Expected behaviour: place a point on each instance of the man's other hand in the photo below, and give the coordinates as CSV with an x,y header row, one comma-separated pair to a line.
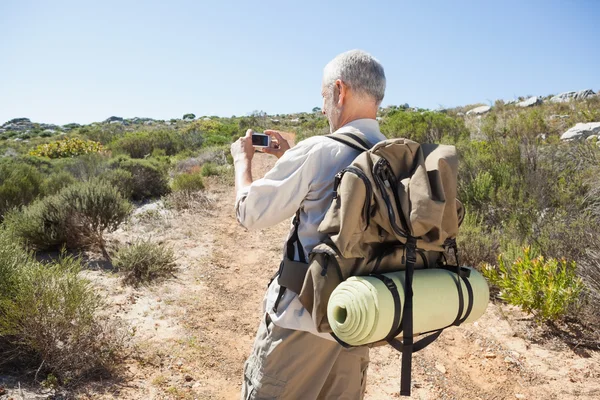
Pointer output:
x,y
242,148
278,144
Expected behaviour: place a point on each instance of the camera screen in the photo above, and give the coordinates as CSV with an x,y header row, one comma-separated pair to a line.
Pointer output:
x,y
260,140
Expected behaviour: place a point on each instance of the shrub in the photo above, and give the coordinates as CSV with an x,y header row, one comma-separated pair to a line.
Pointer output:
x,y
188,182
121,179
477,243
20,184
57,181
144,261
140,144
543,287
69,147
210,169
49,319
102,133
83,168
422,127
149,178
184,200
76,217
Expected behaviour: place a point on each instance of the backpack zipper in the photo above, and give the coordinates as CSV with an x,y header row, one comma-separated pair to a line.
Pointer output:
x,y
358,172
382,178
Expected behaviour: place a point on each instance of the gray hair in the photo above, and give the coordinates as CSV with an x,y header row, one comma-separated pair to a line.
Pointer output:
x,y
359,70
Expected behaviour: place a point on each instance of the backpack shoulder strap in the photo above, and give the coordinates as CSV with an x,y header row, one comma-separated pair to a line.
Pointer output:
x,y
356,141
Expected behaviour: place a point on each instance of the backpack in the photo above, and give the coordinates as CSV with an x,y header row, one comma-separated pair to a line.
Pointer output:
x,y
394,208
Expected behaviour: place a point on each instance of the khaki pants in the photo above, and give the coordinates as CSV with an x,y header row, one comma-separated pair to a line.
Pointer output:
x,y
289,364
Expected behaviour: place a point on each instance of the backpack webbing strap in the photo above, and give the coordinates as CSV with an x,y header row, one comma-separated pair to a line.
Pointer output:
x,y
290,253
407,319
295,239
351,140
389,283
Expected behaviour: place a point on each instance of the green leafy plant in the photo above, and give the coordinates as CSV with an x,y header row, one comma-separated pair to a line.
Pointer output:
x,y
69,147
543,287
77,217
149,178
144,261
49,317
189,182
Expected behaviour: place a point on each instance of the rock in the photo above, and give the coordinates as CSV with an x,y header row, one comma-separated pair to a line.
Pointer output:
x,y
10,152
113,119
532,101
509,102
568,96
295,120
70,126
509,360
440,368
519,396
581,131
275,121
556,116
188,378
479,110
19,121
489,354
592,137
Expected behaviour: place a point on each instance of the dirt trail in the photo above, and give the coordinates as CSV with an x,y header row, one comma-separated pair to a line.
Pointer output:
x,y
193,332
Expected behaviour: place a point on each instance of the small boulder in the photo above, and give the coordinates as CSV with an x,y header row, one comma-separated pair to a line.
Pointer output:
x,y
532,101
581,131
479,110
568,96
113,119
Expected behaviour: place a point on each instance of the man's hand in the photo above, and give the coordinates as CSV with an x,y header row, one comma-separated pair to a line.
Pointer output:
x,y
242,149
278,144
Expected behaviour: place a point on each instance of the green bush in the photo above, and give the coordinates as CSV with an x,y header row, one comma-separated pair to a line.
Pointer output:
x,y
546,288
476,242
149,177
121,179
75,217
141,144
188,182
20,184
68,147
57,181
49,319
428,126
144,261
210,169
83,168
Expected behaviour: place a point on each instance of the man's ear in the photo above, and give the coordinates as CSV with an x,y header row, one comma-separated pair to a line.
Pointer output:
x,y
342,90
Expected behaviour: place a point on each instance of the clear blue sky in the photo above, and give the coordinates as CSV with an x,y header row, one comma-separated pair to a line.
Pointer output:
x,y
81,61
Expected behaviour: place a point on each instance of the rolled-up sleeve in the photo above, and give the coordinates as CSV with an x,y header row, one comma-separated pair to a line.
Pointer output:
x,y
277,196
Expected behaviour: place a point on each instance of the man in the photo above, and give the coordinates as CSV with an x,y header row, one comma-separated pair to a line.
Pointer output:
x,y
290,359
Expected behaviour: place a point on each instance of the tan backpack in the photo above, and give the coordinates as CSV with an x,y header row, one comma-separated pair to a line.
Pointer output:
x,y
394,208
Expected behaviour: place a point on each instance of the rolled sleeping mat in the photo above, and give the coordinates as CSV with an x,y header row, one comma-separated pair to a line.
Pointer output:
x,y
361,309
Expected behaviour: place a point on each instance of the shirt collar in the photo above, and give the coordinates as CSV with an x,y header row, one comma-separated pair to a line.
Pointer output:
x,y
367,126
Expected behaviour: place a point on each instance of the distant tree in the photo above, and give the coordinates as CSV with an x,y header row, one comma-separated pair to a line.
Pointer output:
x,y
316,109
189,116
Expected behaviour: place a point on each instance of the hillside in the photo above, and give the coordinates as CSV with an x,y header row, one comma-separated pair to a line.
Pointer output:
x,y
161,298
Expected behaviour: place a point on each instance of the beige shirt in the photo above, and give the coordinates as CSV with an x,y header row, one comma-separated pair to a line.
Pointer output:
x,y
301,179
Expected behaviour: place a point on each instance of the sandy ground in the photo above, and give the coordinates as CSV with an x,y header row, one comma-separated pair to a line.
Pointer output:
x,y
193,332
